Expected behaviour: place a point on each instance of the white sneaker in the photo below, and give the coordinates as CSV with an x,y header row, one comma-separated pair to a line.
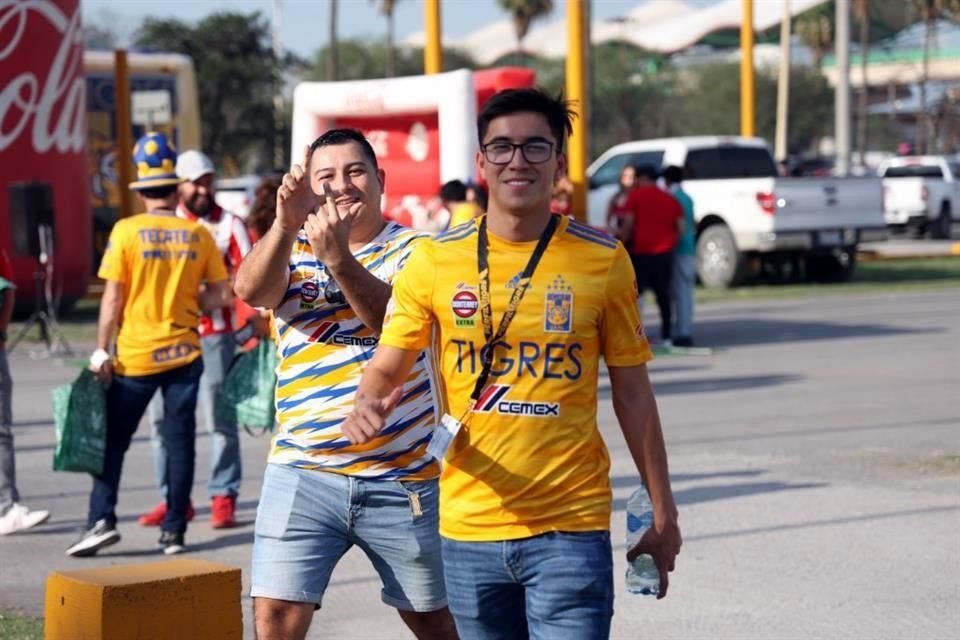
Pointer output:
x,y
19,518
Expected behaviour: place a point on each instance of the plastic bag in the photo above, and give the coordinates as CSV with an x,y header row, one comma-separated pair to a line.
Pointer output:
x,y
80,417
247,395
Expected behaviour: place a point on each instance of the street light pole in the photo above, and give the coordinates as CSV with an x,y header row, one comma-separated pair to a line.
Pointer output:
x,y
781,149
433,52
578,38
747,81
842,96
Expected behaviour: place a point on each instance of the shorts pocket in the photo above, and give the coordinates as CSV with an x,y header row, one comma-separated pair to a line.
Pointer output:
x,y
277,498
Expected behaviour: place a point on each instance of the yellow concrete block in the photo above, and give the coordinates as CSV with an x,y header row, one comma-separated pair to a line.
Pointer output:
x,y
178,599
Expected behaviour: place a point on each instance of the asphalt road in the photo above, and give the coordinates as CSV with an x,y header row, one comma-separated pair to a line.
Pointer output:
x,y
815,458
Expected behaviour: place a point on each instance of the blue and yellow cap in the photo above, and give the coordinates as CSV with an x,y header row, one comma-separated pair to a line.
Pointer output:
x,y
156,160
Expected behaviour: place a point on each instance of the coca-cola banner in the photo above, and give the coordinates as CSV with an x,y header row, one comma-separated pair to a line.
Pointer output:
x,y
43,132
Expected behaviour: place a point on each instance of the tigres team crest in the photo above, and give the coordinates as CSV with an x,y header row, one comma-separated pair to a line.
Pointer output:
x,y
558,311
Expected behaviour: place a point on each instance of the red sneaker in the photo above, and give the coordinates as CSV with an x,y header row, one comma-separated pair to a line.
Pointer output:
x,y
222,512
155,517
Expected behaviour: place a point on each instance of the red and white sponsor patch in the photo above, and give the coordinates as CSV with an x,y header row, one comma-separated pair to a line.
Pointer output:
x,y
465,304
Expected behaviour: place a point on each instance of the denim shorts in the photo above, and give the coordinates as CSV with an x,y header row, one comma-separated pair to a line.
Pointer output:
x,y
553,586
308,519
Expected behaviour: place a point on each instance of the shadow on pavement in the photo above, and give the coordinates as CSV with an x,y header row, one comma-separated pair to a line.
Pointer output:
x,y
748,331
713,493
708,385
633,482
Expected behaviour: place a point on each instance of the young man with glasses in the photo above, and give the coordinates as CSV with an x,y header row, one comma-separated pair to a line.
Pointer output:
x,y
325,268
519,307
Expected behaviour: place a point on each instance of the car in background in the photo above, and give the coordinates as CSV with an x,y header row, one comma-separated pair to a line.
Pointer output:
x,y
236,195
921,194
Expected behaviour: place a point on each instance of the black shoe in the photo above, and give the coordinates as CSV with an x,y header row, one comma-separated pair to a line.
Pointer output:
x,y
683,342
100,535
171,542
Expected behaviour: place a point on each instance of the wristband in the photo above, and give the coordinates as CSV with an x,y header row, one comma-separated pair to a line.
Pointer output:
x,y
98,357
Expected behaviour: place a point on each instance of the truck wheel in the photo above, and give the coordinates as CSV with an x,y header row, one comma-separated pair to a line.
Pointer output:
x,y
941,227
719,263
836,267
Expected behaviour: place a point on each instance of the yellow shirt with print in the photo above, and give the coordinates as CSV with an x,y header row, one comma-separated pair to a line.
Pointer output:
x,y
530,458
160,261
463,212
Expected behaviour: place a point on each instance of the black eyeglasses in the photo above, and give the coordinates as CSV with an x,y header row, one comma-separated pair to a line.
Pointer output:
x,y
502,152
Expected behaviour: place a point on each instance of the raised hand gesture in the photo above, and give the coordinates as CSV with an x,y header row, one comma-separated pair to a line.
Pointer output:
x,y
295,198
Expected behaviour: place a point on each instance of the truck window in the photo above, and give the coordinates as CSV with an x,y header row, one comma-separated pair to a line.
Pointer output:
x,y
914,171
609,171
729,162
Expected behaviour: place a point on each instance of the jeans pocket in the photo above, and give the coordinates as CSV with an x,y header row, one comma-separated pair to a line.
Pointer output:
x,y
277,500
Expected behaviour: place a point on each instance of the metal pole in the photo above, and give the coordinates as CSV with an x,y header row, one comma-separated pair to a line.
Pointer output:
x,y
747,81
124,148
842,95
433,52
275,32
577,32
781,149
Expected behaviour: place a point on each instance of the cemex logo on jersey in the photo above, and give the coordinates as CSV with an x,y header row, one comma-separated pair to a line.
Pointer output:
x,y
493,399
329,333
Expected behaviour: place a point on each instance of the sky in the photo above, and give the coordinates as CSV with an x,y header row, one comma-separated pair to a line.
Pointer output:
x,y
304,23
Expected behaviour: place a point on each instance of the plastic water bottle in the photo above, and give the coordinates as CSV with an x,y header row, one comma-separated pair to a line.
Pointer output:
x,y
642,574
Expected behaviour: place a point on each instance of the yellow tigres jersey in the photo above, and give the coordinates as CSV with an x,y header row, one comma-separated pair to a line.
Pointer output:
x,y
323,349
530,458
161,262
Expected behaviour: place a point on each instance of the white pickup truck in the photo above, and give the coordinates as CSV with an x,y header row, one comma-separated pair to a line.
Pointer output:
x,y
748,216
921,193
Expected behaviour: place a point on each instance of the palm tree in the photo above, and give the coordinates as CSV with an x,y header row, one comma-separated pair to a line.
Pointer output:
x,y
332,44
524,12
386,9
861,9
815,28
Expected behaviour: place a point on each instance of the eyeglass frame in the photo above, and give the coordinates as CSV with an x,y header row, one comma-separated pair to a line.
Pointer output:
x,y
513,152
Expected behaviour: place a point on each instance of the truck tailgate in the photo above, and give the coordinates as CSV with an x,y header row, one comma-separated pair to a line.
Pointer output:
x,y
805,204
904,194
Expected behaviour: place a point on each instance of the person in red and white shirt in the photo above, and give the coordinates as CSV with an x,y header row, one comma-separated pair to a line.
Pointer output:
x,y
217,343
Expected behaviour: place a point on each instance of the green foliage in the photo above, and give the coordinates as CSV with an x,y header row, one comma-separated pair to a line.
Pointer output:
x,y
360,60
524,12
16,626
236,79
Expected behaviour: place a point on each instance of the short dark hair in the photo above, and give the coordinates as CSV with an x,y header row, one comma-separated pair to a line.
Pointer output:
x,y
646,171
159,193
335,137
673,174
558,112
453,191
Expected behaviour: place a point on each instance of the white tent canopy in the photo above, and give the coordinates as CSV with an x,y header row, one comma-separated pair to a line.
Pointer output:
x,y
664,26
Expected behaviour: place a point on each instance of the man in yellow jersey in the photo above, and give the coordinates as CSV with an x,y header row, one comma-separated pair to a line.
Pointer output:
x,y
325,268
518,308
160,273
454,197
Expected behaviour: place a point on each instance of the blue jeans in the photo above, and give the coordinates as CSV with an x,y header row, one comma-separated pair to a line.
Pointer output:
x,y
127,399
8,475
684,277
225,469
554,586
307,520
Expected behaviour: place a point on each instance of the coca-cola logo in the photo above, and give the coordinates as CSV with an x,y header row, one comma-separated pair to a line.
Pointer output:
x,y
52,105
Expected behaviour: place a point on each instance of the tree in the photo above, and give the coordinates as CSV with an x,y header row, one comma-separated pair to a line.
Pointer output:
x,y
523,13
815,28
930,11
236,74
365,61
332,43
386,9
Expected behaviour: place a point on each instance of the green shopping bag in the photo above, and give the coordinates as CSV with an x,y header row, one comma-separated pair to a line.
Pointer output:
x,y
80,416
246,397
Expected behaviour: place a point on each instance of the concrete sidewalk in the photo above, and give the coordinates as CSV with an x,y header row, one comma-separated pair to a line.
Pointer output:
x,y
815,458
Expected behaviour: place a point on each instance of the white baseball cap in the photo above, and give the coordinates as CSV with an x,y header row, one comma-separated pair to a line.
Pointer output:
x,y
193,165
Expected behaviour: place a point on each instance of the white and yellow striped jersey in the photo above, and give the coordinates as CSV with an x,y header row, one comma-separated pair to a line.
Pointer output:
x,y
323,351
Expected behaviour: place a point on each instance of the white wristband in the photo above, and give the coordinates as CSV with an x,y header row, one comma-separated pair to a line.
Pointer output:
x,y
98,358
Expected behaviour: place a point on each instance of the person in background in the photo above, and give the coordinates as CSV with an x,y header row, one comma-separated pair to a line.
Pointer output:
x,y
454,197
616,208
264,208
684,261
561,202
197,204
160,271
14,516
476,192
653,219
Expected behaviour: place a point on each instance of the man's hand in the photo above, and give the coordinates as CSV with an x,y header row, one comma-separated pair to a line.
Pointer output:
x,y
369,416
295,198
328,230
662,542
104,373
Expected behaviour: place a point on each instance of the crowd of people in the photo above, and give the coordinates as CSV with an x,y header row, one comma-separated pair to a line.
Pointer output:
x,y
436,394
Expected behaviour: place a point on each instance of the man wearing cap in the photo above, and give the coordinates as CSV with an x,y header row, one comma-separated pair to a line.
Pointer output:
x,y
160,271
217,346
